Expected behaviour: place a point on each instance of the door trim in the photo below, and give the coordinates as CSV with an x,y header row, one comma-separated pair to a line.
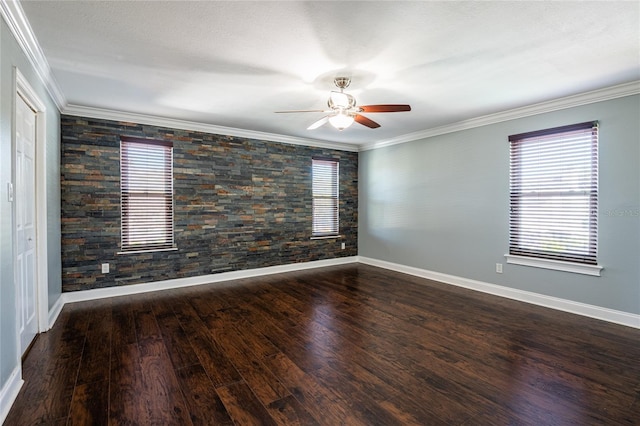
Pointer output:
x,y
23,89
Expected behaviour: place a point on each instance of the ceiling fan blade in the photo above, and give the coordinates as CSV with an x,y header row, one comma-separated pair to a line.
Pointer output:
x,y
318,123
366,122
385,108
300,110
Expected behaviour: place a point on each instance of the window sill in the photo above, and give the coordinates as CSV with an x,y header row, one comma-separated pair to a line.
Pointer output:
x,y
327,237
557,265
146,251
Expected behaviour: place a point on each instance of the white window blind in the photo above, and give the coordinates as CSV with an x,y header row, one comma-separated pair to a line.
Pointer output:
x,y
554,194
146,182
325,197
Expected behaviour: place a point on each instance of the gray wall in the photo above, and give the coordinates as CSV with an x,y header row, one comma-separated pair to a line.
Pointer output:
x,y
11,56
441,204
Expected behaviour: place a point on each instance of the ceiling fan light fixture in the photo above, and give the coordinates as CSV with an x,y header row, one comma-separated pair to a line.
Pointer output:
x,y
341,120
343,111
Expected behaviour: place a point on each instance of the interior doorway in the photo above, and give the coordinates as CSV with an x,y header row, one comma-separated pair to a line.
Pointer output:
x,y
24,222
29,208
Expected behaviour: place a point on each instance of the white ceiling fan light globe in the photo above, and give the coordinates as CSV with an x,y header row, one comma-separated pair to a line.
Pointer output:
x,y
341,120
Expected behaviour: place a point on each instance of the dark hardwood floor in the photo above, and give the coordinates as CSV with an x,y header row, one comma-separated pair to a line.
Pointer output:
x,y
348,345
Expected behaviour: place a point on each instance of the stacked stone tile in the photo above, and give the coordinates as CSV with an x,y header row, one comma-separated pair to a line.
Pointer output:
x,y
238,204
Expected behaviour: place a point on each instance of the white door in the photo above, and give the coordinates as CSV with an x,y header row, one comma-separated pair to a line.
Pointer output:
x,y
25,197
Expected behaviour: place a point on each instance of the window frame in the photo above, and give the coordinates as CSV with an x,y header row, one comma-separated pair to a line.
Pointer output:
x,y
166,236
552,144
333,198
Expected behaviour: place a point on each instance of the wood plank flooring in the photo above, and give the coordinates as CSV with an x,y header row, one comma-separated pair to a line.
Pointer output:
x,y
346,345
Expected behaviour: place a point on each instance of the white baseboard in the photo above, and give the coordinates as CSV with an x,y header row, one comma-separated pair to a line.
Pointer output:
x,y
55,311
592,311
9,392
100,293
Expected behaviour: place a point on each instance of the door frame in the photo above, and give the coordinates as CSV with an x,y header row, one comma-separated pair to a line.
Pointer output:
x,y
22,89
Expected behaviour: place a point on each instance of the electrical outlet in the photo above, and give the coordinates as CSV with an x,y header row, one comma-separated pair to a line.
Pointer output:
x,y
498,268
343,246
105,268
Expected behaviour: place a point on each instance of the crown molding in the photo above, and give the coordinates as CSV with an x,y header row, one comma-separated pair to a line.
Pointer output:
x,y
153,120
14,16
608,93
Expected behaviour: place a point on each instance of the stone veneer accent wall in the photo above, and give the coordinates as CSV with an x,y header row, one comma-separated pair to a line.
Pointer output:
x,y
239,204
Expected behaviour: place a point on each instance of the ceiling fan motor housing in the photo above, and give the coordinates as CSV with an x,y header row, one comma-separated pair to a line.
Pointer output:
x,y
342,82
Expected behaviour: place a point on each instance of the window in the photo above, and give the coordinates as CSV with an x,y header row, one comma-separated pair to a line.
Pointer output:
x,y
325,198
146,185
554,195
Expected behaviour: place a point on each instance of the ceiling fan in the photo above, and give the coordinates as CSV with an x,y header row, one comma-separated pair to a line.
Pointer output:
x,y
343,111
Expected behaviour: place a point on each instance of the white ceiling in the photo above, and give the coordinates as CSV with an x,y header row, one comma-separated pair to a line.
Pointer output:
x,y
233,64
